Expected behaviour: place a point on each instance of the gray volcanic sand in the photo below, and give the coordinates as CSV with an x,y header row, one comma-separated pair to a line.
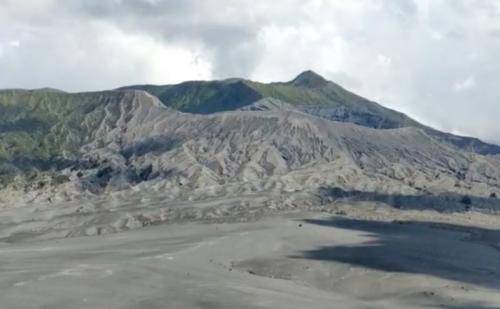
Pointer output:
x,y
304,260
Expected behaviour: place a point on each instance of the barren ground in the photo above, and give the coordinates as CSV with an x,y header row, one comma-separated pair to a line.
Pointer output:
x,y
368,257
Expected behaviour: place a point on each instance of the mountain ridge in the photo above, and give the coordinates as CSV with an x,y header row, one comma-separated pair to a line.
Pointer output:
x,y
309,79
263,157
99,142
325,99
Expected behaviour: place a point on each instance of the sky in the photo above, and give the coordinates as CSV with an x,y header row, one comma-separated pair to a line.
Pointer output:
x,y
435,60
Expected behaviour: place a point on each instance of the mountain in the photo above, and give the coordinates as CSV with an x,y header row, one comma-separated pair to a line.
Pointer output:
x,y
308,92
309,79
43,124
125,156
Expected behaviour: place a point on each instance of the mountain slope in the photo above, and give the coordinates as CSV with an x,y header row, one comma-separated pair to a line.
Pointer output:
x,y
45,129
204,97
120,160
116,140
308,92
277,138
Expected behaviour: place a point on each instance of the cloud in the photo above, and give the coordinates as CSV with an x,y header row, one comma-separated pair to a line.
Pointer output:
x,y
14,43
383,60
462,85
96,55
435,60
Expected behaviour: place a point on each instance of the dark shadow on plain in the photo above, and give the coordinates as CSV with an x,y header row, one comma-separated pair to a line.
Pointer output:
x,y
467,306
446,203
454,252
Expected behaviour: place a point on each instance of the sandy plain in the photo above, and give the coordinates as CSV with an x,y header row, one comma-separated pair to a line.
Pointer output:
x,y
353,257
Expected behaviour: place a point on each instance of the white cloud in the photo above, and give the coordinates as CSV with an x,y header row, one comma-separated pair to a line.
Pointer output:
x,y
435,35
465,84
98,55
383,60
154,61
287,50
14,43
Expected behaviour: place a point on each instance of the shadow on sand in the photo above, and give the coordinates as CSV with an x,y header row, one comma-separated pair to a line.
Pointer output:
x,y
475,305
445,203
453,252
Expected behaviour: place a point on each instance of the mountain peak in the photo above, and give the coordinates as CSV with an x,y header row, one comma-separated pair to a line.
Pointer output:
x,y
309,79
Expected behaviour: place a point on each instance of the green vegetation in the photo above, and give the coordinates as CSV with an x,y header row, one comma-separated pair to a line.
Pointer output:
x,y
204,97
43,129
43,124
308,90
